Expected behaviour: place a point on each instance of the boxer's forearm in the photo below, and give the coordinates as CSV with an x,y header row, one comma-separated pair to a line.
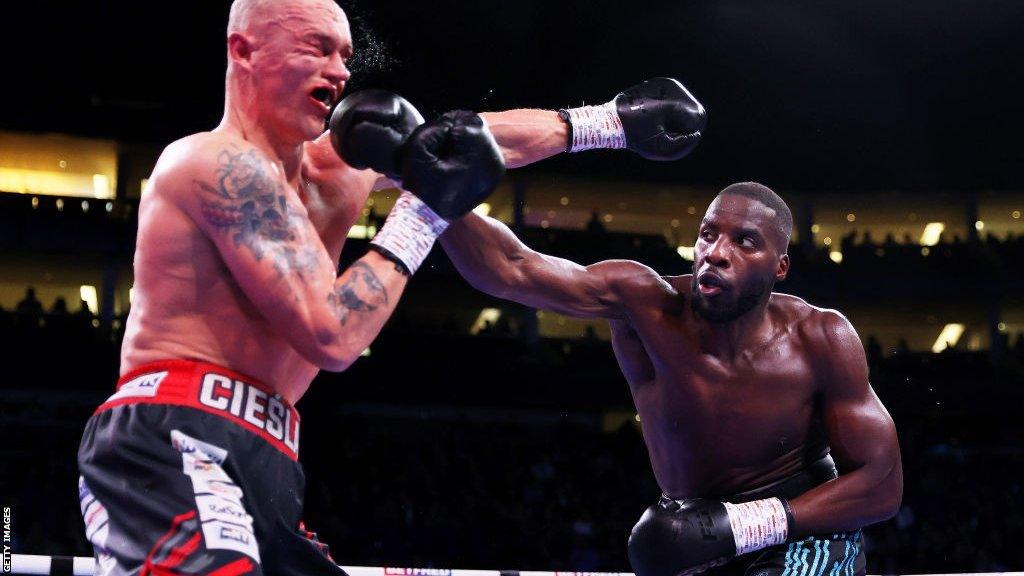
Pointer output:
x,y
485,252
526,136
362,299
864,496
490,257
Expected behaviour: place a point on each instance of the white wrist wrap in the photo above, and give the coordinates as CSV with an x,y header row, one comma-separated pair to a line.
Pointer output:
x,y
757,524
410,231
596,127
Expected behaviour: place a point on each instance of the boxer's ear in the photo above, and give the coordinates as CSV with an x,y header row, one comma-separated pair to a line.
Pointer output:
x,y
783,268
240,50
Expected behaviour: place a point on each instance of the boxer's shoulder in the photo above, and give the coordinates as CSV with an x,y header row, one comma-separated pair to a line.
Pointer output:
x,y
827,333
813,325
634,282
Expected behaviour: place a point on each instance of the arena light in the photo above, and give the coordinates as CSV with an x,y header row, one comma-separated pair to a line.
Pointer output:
x,y
101,186
931,234
686,252
487,315
365,352
143,186
836,256
949,336
88,293
362,231
483,209
979,225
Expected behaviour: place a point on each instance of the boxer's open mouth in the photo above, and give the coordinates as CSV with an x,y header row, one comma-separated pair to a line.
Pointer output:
x,y
711,284
323,95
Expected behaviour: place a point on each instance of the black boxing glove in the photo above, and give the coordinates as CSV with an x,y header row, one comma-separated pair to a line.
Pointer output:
x,y
368,129
452,163
449,165
676,537
658,119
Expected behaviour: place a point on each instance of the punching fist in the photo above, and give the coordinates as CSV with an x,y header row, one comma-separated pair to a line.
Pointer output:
x,y
452,163
448,166
658,119
661,119
369,128
682,537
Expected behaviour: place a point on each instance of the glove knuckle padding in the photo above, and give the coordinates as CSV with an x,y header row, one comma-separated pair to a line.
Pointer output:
x,y
661,119
368,129
668,541
452,164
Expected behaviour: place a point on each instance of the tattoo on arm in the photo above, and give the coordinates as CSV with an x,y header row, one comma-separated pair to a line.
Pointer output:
x,y
247,202
361,292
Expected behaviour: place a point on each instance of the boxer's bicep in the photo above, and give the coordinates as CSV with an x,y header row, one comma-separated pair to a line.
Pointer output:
x,y
493,260
860,430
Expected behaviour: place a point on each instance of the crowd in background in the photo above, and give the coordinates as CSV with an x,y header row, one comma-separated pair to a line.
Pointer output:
x,y
435,488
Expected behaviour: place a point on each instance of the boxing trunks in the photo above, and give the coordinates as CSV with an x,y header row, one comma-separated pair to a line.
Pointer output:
x,y
190,468
839,554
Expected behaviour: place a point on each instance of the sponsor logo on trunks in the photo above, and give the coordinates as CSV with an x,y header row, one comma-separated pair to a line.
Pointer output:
x,y
417,572
201,450
95,516
144,386
226,524
225,536
217,508
252,405
203,485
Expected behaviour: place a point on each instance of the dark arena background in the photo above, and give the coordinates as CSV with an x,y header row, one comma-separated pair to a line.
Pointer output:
x,y
479,434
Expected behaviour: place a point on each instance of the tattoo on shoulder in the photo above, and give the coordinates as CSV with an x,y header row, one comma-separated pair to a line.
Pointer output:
x,y
361,292
250,204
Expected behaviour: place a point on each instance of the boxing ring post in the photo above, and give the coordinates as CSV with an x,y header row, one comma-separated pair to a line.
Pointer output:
x,y
26,564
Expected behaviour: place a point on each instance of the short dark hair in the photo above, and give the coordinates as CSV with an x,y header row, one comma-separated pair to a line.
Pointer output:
x,y
765,195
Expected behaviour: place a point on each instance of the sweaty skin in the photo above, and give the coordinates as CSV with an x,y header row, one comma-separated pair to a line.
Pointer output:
x,y
241,228
725,407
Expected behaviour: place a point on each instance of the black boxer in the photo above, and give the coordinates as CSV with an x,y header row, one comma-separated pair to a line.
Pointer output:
x,y
190,468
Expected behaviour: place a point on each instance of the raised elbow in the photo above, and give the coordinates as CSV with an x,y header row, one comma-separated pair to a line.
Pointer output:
x,y
326,348
890,493
893,503
334,358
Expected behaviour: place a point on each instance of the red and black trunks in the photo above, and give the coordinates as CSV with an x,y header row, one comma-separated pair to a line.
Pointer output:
x,y
190,468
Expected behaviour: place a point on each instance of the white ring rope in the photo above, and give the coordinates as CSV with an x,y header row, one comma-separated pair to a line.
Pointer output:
x,y
34,564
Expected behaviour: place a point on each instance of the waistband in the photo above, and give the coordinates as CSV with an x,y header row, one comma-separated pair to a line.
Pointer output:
x,y
215,390
815,474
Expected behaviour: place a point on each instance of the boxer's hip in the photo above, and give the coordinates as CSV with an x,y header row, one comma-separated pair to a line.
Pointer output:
x,y
185,386
192,457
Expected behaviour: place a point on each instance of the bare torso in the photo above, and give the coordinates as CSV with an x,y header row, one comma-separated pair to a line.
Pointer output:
x,y
716,427
186,303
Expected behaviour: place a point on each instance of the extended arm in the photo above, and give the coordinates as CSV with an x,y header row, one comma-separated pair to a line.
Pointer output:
x,y
494,261
658,119
527,136
863,440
